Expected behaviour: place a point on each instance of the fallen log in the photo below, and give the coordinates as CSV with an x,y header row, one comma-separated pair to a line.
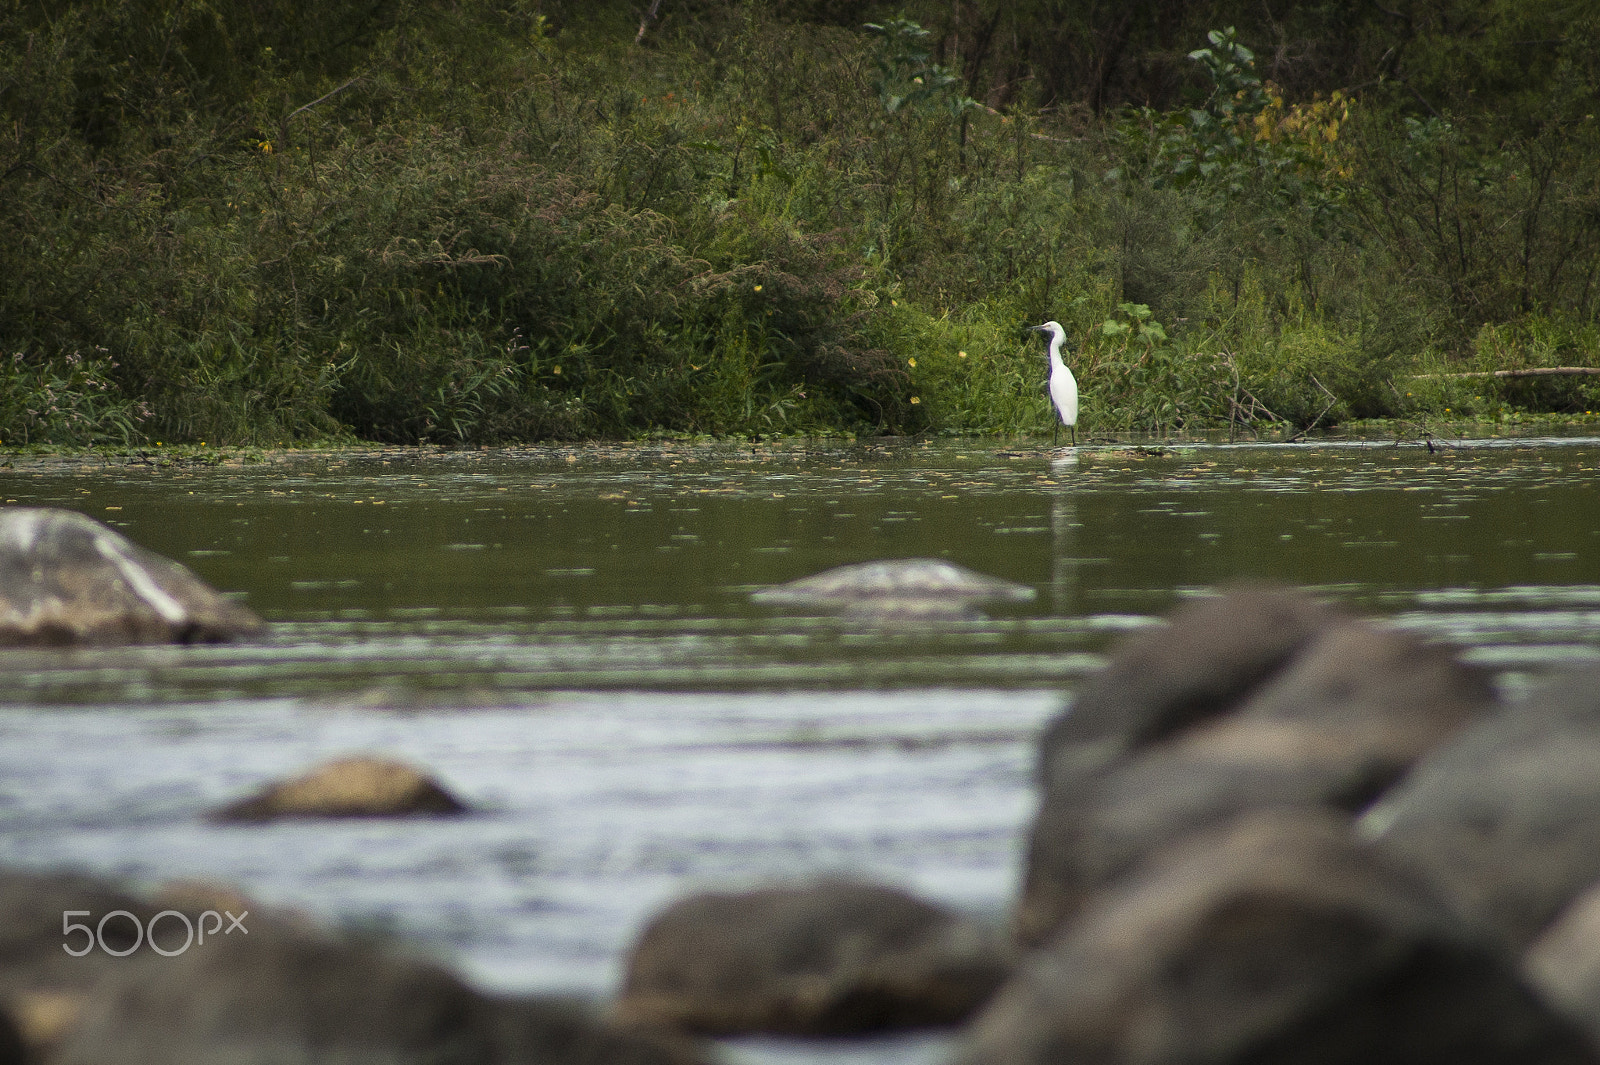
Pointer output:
x,y
1541,371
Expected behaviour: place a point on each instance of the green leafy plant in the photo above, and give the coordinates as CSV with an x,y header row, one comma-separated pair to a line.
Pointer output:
x,y
66,400
907,77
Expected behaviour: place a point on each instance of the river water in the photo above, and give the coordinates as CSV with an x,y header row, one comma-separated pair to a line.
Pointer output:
x,y
565,636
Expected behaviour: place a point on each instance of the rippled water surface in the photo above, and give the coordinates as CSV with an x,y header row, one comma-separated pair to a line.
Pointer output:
x,y
566,637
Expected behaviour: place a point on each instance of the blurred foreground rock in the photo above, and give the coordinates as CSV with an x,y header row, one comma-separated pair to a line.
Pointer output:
x,y
68,579
826,959
1563,964
273,991
1505,818
1261,699
1273,939
348,787
1208,659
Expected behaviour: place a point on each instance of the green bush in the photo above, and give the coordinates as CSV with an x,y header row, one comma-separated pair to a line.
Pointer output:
x,y
478,223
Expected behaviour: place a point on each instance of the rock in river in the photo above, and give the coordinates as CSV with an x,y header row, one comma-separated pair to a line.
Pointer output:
x,y
1273,940
1333,725
1208,659
830,958
911,587
1505,818
68,579
348,787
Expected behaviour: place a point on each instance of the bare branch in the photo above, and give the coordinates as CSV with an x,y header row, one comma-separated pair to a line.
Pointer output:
x,y
650,16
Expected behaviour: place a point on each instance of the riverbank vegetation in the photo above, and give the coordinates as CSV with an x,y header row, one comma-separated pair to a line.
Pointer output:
x,y
254,222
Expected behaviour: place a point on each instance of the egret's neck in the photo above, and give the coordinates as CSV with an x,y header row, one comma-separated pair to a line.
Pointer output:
x,y
1055,353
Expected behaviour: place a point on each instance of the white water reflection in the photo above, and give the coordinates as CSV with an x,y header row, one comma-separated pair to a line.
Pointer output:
x,y
595,810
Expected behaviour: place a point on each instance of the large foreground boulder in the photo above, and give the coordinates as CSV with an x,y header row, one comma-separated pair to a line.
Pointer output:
x,y
68,579
1208,659
361,786
1333,727
826,959
1273,940
1505,818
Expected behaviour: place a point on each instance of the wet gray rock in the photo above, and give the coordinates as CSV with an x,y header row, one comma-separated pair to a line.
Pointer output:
x,y
1208,659
1333,728
1273,939
1505,818
348,787
68,579
914,587
825,959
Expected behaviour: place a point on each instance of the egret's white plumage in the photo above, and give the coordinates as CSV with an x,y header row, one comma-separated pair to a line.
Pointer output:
x,y
1063,386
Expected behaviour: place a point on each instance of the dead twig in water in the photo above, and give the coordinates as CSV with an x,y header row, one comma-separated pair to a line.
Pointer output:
x,y
1332,399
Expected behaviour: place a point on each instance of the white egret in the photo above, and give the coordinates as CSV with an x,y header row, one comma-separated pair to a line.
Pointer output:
x,y
1063,386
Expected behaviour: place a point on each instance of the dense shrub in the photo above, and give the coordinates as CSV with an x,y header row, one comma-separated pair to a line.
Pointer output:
x,y
416,220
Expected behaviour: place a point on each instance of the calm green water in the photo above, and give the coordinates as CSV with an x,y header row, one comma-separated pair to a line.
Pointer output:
x,y
566,637
480,576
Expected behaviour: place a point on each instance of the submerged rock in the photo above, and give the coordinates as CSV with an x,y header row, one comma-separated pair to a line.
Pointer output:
x,y
826,959
348,787
68,579
913,587
1273,940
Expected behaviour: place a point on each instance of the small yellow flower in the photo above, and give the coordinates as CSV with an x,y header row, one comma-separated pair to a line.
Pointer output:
x,y
758,288
915,400
911,363
961,354
556,370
